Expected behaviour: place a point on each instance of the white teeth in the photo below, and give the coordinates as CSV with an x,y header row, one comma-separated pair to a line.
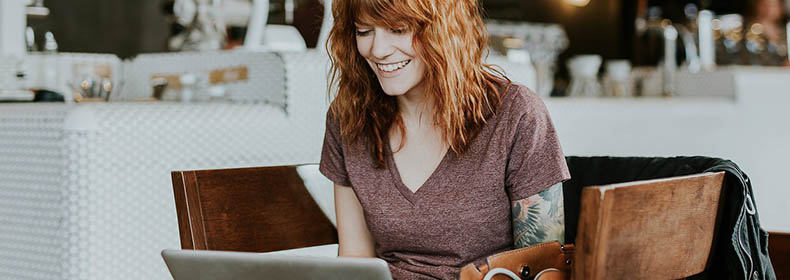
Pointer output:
x,y
393,66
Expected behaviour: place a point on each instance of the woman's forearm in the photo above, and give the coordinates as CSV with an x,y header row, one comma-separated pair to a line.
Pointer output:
x,y
354,239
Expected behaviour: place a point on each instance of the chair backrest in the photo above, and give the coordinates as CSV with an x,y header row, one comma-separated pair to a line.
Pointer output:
x,y
662,228
779,250
258,209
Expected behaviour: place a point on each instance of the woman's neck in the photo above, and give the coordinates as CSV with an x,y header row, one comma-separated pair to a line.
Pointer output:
x,y
416,111
416,107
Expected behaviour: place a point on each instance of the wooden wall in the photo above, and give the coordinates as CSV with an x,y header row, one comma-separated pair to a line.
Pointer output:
x,y
595,28
122,27
126,28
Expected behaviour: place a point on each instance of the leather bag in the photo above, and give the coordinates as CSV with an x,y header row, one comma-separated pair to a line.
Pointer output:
x,y
525,263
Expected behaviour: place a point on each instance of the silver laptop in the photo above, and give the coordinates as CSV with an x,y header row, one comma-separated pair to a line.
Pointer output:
x,y
199,264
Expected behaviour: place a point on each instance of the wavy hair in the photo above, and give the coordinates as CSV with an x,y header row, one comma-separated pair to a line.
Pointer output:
x,y
451,39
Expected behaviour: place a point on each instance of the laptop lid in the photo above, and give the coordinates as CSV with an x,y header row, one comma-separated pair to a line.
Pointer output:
x,y
200,264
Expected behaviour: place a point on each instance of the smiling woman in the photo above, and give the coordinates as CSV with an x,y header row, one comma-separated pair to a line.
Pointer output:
x,y
438,159
448,37
388,51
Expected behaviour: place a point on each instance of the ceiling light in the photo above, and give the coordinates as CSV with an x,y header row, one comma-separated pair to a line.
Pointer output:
x,y
578,3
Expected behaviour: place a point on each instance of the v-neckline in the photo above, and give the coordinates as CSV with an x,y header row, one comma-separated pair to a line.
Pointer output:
x,y
407,193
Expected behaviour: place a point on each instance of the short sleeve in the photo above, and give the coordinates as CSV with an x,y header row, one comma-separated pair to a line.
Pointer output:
x,y
535,161
333,164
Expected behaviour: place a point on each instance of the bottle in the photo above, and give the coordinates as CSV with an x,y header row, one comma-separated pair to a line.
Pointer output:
x,y
618,78
30,39
707,47
584,75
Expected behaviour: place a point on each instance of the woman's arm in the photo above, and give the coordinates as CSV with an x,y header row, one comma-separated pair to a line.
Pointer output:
x,y
354,238
539,218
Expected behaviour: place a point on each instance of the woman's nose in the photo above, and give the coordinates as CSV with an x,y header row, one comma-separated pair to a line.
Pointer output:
x,y
382,44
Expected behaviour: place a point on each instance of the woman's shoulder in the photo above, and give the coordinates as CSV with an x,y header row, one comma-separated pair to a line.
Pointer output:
x,y
332,122
330,115
519,99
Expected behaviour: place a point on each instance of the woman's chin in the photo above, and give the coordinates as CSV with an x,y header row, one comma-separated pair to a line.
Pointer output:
x,y
393,91
394,94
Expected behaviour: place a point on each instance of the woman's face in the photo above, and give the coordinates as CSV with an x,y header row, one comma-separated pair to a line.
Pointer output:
x,y
391,55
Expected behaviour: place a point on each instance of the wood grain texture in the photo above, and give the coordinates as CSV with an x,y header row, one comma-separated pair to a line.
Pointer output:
x,y
257,209
179,193
779,250
195,210
656,229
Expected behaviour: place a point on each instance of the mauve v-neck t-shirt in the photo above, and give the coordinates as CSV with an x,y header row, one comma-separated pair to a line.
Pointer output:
x,y
461,214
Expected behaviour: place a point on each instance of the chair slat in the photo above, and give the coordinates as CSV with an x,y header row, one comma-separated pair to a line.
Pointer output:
x,y
656,229
258,209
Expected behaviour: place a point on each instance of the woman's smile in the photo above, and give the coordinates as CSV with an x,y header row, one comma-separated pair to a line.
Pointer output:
x,y
391,70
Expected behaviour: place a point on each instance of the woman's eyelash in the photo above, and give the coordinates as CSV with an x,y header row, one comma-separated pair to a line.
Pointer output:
x,y
398,30
365,32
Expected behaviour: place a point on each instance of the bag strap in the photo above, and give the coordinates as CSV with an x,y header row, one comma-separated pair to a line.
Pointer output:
x,y
520,261
500,270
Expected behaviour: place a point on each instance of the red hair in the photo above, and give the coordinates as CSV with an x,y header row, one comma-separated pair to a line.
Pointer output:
x,y
451,39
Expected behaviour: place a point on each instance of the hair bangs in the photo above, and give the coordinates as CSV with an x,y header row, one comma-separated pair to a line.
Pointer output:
x,y
388,13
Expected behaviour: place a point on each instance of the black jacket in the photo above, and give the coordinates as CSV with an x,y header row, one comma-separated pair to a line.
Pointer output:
x,y
741,249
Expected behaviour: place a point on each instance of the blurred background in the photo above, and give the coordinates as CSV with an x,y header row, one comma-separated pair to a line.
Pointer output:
x,y
613,29
101,99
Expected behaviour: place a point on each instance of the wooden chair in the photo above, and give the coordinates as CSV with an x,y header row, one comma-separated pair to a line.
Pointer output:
x,y
656,229
662,228
259,209
779,251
